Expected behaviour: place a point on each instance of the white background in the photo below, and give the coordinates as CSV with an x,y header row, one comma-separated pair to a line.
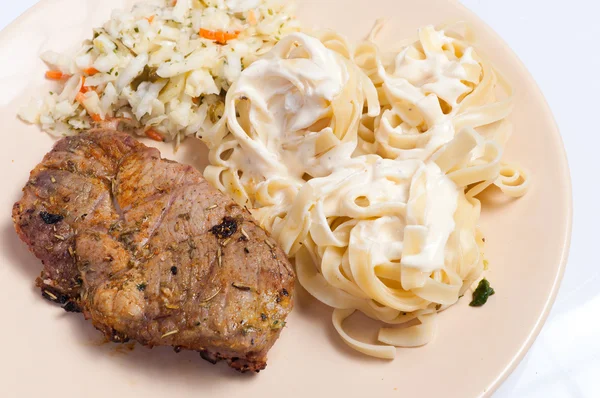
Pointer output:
x,y
558,41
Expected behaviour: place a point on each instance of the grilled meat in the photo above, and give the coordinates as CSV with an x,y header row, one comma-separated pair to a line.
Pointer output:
x,y
148,250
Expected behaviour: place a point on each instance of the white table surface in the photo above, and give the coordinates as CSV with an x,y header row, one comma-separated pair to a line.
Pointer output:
x,y
558,42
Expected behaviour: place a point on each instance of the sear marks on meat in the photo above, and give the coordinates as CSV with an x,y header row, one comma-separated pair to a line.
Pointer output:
x,y
148,250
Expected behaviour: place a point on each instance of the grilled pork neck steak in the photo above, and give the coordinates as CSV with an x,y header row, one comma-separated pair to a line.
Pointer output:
x,y
148,250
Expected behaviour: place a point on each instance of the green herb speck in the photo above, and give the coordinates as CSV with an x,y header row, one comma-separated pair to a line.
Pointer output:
x,y
277,324
482,293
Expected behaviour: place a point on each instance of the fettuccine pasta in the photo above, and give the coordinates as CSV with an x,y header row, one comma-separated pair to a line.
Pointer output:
x,y
365,165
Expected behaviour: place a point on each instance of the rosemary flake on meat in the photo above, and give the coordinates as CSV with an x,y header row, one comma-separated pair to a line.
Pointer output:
x,y
206,300
172,332
241,286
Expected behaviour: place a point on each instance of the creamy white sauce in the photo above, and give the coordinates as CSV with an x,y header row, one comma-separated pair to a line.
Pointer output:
x,y
441,196
398,194
289,93
421,82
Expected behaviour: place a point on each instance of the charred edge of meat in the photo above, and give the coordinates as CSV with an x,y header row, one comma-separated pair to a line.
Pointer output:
x,y
118,337
209,357
49,218
64,300
54,296
71,306
227,228
243,366
240,364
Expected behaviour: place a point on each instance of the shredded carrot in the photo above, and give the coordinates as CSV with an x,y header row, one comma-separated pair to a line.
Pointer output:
x,y
84,89
91,71
80,97
207,34
155,135
219,36
252,17
173,3
56,75
150,18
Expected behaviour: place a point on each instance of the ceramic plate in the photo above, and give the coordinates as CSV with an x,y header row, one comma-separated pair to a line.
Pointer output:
x,y
47,352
